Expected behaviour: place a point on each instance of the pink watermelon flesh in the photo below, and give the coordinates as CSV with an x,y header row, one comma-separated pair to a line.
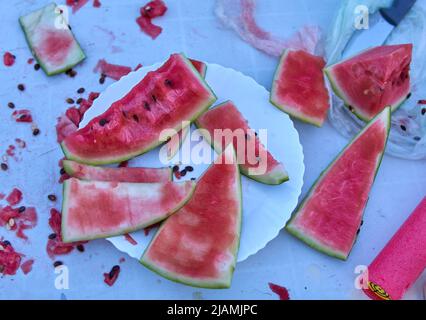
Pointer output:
x,y
330,216
299,87
373,80
132,125
198,245
176,142
226,116
141,175
200,66
99,209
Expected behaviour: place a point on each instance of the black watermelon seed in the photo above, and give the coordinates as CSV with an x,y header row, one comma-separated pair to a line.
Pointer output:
x,y
351,109
79,100
404,128
36,132
72,73
68,71
52,236
417,138
175,168
168,82
80,90
22,209
423,111
62,171
193,179
57,263
102,80
21,87
183,173
23,117
6,243
189,168
409,96
146,106
359,230
11,105
154,98
36,67
362,222
70,101
4,166
80,248
113,271
51,197
103,122
136,118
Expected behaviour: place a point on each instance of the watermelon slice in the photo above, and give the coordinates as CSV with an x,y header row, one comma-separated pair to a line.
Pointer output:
x,y
163,99
330,216
299,87
198,245
226,117
200,66
99,209
373,80
141,175
51,40
176,142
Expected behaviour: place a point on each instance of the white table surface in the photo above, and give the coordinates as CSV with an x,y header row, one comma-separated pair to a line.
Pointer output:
x,y
189,26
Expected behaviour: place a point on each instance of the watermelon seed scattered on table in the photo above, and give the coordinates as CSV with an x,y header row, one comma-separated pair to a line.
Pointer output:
x,y
330,216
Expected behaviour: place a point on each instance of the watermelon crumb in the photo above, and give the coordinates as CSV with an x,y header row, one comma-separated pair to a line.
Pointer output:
x,y
111,277
129,239
122,260
30,60
138,67
10,260
97,3
76,4
422,102
27,266
22,116
113,71
8,59
282,292
14,197
151,10
147,230
55,246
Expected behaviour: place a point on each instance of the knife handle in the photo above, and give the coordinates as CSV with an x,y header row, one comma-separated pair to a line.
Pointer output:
x,y
397,12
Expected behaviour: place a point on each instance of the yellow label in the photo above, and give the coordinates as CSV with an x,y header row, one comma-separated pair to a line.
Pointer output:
x,y
378,291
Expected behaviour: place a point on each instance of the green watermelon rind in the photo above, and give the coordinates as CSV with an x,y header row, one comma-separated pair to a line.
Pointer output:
x,y
225,282
120,232
311,241
201,109
269,179
79,57
68,167
290,111
338,91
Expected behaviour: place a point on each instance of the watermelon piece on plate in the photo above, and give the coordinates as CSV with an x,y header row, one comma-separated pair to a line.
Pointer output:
x,y
163,99
373,80
99,209
200,66
255,161
198,245
299,87
123,174
176,142
51,40
330,216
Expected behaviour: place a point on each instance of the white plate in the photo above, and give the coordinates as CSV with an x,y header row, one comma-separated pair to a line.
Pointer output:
x,y
265,208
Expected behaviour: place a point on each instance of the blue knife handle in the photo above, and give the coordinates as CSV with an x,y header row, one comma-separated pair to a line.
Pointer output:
x,y
397,12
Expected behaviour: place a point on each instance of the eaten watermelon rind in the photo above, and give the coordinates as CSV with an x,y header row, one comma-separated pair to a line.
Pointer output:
x,y
385,115
109,160
67,239
336,89
74,59
290,111
276,177
70,168
222,283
